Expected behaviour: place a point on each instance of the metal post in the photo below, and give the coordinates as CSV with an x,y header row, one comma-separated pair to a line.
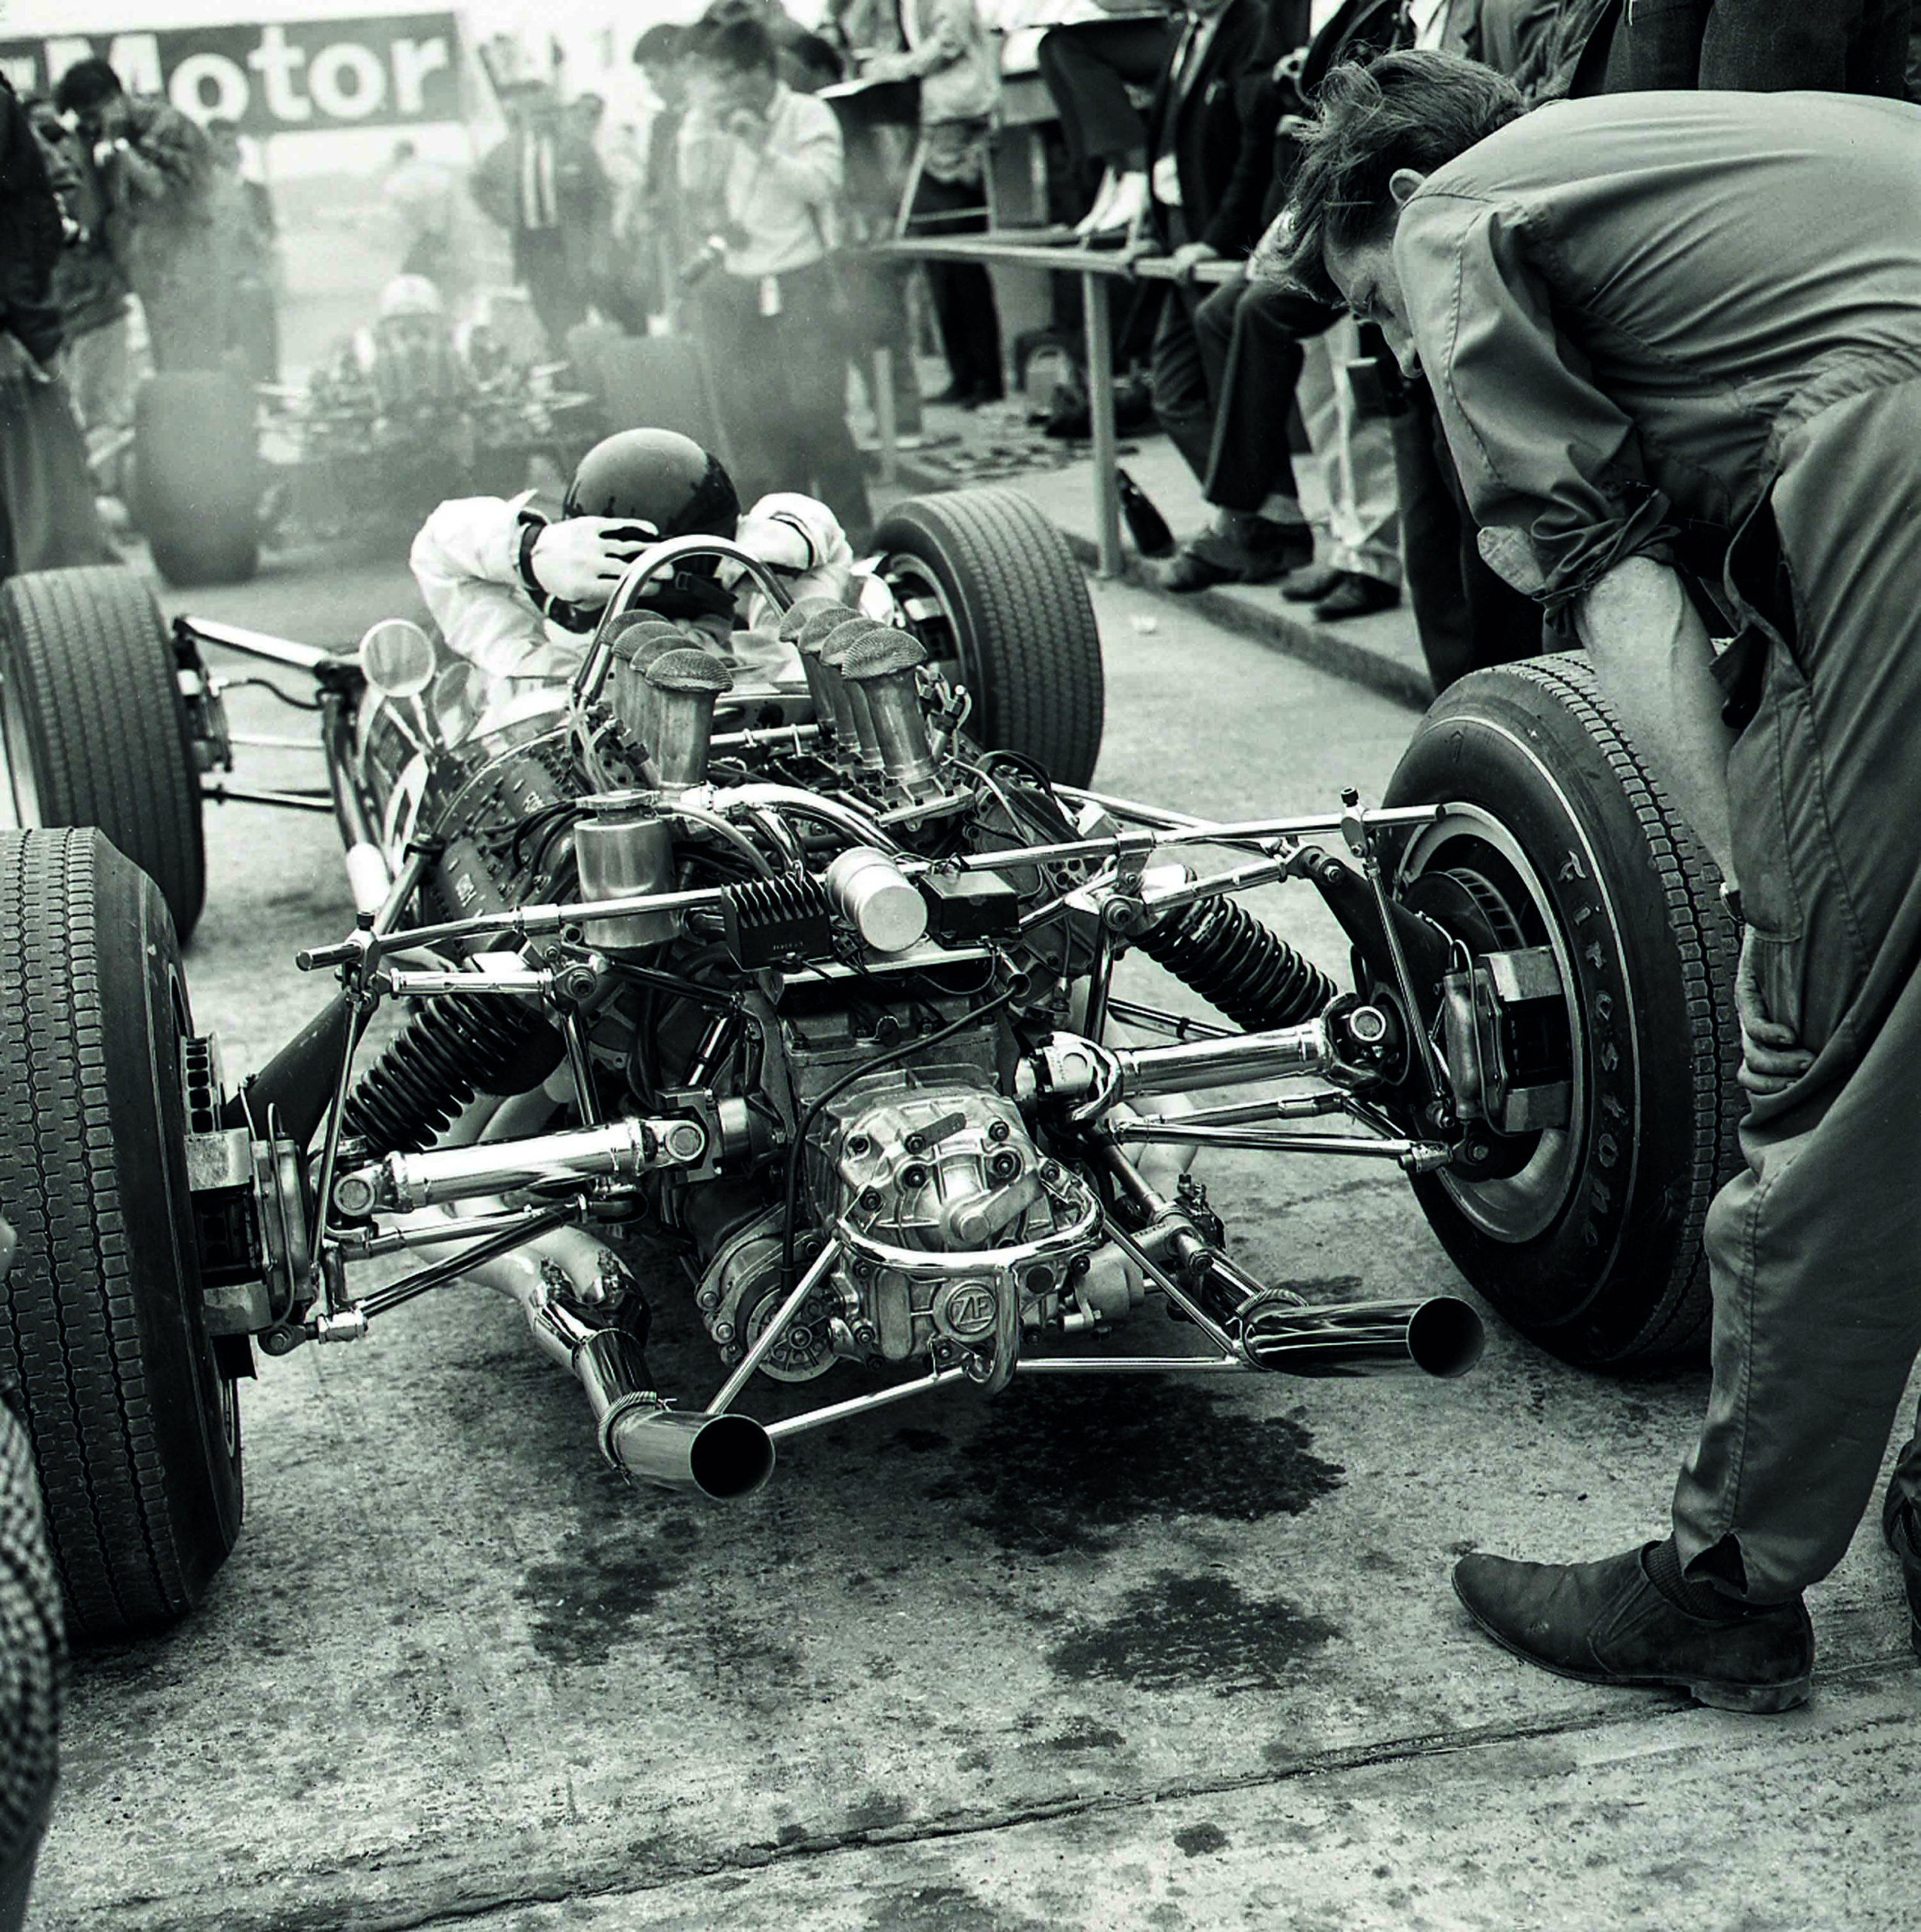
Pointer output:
x,y
1100,412
885,427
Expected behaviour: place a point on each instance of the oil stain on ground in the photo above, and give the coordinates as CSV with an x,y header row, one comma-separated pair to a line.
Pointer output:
x,y
944,1908
1061,1465
1178,1632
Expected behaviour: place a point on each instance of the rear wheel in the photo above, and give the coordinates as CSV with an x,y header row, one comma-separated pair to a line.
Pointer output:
x,y
196,476
1586,1234
135,1433
992,590
94,727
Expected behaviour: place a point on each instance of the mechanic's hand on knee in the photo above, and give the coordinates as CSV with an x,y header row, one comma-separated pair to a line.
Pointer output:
x,y
1771,1058
580,560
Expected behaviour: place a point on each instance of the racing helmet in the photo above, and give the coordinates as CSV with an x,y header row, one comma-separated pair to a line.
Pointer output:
x,y
657,477
410,295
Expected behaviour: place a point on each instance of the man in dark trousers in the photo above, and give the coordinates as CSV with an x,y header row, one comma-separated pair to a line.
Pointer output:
x,y
47,519
1210,158
545,186
1683,330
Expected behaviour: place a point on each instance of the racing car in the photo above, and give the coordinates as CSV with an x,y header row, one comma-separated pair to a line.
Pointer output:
x,y
400,414
816,991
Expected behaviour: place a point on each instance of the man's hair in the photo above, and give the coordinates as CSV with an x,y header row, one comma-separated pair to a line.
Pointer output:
x,y
86,84
740,44
660,46
1417,109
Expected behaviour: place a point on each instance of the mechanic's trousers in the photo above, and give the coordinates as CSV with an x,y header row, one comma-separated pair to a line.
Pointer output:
x,y
1815,1247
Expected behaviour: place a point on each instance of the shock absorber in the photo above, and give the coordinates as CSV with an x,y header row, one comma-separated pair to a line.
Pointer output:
x,y
451,1048
1236,963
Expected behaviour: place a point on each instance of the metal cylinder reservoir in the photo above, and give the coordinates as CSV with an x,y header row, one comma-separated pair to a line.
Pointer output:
x,y
875,897
881,664
624,849
685,685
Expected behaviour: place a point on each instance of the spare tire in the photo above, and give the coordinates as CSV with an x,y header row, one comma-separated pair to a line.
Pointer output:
x,y
1586,1235
93,730
992,588
136,1433
197,476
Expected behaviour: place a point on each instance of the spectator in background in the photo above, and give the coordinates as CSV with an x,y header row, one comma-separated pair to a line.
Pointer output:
x,y
47,519
762,167
612,286
153,172
659,238
1210,147
419,192
1761,46
545,186
805,61
89,286
947,51
253,253
1089,67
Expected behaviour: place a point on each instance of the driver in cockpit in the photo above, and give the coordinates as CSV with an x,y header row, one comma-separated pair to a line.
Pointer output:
x,y
517,586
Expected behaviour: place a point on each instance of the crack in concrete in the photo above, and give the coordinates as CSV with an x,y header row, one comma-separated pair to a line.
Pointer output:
x,y
1353,1758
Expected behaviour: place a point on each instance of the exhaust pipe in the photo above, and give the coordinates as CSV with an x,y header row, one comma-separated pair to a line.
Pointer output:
x,y
1440,1336
718,1457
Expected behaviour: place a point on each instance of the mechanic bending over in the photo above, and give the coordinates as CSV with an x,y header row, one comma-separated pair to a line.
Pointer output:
x,y
1684,329
517,588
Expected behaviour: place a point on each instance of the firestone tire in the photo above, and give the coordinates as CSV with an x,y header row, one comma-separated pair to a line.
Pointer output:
x,y
1587,1238
197,476
993,591
93,726
136,1434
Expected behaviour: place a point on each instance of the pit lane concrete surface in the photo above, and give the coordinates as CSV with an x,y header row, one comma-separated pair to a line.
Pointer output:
x,y
1111,1652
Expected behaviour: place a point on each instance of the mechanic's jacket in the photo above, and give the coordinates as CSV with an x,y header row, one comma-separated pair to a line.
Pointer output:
x,y
465,561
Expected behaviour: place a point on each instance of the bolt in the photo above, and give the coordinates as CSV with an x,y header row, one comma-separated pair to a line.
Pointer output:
x,y
1003,1166
1350,797
723,1332
870,1197
998,1129
915,1143
915,1176
859,1143
1479,1150
1050,1171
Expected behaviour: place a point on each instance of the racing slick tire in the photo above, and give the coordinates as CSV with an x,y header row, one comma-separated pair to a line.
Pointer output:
x,y
136,1433
93,730
1586,1237
992,590
197,476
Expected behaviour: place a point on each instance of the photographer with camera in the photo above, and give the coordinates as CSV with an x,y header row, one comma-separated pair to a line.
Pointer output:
x,y
153,173
763,168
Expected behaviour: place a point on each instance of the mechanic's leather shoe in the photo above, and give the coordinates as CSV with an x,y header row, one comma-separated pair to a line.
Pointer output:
x,y
1354,595
1241,549
1310,584
1606,1623
1900,1523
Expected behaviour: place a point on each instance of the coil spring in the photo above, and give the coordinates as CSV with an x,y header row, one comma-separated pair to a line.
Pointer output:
x,y
450,1048
1236,963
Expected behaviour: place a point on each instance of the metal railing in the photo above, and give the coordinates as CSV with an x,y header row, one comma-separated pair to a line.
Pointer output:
x,y
1097,269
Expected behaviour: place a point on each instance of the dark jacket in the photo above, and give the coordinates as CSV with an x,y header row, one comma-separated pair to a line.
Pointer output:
x,y
583,198
1220,131
30,235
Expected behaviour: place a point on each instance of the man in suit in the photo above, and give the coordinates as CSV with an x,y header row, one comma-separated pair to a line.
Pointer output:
x,y
1210,158
545,186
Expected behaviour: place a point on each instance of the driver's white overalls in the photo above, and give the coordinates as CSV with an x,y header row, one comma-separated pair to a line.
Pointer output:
x,y
465,560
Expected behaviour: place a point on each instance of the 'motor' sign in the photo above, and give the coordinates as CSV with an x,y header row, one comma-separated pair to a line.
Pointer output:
x,y
292,77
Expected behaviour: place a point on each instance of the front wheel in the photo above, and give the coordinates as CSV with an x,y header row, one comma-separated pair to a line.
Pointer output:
x,y
1586,1233
991,589
136,1433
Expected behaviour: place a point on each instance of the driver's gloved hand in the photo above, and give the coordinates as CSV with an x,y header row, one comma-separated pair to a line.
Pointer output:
x,y
580,560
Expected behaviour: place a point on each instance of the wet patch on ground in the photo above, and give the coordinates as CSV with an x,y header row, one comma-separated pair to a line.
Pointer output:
x,y
1082,1733
1198,1841
1194,1632
581,1606
1067,1466
943,1909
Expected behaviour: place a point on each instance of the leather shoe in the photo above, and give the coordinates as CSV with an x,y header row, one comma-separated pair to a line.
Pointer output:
x,y
1310,584
1606,1622
1900,1523
1354,595
1238,549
